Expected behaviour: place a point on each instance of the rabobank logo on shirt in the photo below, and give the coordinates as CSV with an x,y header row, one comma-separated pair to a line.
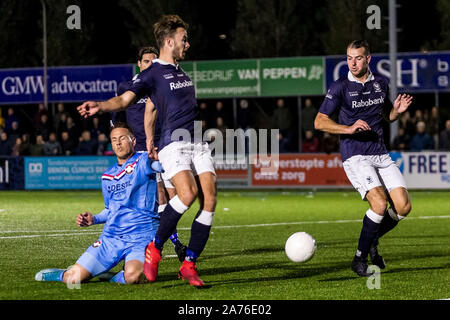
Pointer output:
x,y
180,84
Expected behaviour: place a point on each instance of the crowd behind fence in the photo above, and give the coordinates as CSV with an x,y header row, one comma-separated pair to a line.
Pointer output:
x,y
35,131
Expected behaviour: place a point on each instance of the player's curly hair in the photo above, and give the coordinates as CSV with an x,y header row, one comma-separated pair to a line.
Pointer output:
x,y
166,27
145,50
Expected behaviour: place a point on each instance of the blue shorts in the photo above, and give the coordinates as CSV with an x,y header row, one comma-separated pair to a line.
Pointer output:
x,y
107,252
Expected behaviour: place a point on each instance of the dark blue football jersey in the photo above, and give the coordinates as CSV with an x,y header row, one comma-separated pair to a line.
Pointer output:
x,y
135,115
173,94
356,100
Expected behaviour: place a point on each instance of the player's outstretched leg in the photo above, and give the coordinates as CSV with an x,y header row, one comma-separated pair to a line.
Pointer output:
x,y
368,235
50,275
179,247
400,208
200,229
152,259
166,191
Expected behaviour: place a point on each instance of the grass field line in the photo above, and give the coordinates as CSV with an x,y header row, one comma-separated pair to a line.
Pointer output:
x,y
90,232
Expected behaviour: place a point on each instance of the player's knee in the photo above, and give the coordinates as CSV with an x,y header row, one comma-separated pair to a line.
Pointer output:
x,y
188,195
404,209
132,276
379,206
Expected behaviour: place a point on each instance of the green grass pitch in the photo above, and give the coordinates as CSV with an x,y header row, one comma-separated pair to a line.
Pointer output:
x,y
244,258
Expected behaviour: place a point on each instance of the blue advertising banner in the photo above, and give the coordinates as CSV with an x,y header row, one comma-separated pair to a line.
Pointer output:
x,y
11,173
82,172
65,84
417,72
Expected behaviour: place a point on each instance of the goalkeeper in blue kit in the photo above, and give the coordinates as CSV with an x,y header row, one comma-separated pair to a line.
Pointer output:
x,y
130,217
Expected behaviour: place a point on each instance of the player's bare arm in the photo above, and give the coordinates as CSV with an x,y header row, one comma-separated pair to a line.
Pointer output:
x,y
85,219
149,126
326,124
119,103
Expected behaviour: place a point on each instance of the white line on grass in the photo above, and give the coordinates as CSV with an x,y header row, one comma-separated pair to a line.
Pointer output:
x,y
214,227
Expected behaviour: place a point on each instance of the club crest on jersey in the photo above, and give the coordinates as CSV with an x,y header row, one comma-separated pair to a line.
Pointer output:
x,y
129,169
377,87
369,180
97,244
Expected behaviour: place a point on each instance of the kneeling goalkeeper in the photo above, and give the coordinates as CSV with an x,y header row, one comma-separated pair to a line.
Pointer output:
x,y
130,217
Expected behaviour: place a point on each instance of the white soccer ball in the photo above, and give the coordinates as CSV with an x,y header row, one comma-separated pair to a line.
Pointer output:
x,y
300,247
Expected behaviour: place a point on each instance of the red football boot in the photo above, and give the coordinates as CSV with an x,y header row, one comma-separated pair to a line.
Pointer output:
x,y
152,258
188,271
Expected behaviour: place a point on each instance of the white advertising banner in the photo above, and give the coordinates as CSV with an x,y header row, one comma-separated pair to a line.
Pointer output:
x,y
424,170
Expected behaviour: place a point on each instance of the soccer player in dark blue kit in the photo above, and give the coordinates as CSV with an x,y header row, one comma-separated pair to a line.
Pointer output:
x,y
134,117
130,217
173,95
362,100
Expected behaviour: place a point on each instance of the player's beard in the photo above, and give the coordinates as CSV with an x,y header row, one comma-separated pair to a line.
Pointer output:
x,y
362,72
179,53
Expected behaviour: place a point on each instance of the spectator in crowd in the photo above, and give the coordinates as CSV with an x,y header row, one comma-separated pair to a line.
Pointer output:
x,y
15,132
433,125
87,146
418,116
67,144
17,147
283,144
96,130
72,130
329,143
104,122
310,143
203,115
38,115
10,118
52,147
44,127
37,149
21,146
25,146
282,119
62,124
220,125
103,145
407,124
2,121
421,140
444,138
5,145
243,115
220,113
309,113
59,117
401,141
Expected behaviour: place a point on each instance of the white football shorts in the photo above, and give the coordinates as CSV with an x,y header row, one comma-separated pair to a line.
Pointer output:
x,y
181,155
167,183
368,172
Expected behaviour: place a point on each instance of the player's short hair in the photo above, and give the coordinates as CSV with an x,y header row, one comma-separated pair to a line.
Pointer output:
x,y
166,27
356,44
121,125
145,50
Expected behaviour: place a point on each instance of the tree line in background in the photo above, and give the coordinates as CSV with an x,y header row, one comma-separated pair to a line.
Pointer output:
x,y
112,31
